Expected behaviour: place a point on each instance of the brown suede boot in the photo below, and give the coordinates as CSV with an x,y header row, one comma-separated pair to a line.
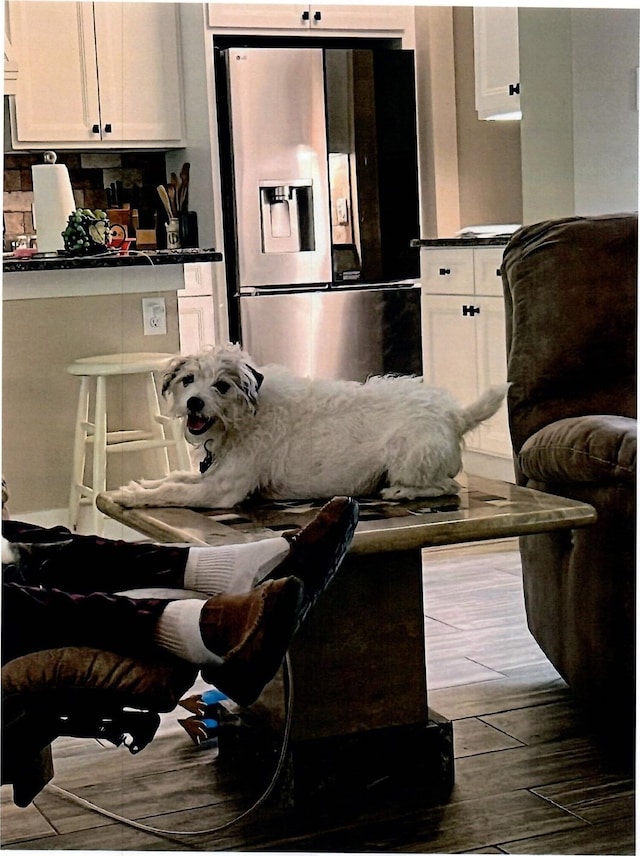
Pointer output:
x,y
317,550
251,632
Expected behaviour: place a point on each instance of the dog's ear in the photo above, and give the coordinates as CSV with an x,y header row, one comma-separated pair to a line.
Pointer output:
x,y
249,384
171,373
259,377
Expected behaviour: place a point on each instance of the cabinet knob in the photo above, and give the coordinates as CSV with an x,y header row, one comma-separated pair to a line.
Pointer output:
x,y
317,16
107,128
305,15
444,271
514,89
95,129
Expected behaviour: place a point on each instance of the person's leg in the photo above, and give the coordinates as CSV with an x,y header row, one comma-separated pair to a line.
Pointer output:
x,y
60,559
85,563
238,639
242,638
35,619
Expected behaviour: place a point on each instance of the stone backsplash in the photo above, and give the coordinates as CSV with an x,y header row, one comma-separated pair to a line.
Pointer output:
x,y
91,173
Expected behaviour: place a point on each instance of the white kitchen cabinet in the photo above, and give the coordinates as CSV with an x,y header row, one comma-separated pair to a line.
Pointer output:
x,y
197,315
496,62
309,19
463,336
104,74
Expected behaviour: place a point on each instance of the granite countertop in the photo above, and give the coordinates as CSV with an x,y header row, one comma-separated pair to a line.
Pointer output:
x,y
148,258
472,241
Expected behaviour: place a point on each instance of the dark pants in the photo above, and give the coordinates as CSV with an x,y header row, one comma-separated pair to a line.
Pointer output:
x,y
61,591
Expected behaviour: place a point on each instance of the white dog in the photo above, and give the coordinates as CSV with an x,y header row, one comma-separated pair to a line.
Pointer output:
x,y
285,437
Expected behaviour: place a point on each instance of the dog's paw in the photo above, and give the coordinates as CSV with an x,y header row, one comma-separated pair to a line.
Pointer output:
x,y
129,495
397,492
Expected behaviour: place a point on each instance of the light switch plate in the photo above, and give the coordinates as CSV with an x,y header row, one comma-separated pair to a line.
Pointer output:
x,y
154,316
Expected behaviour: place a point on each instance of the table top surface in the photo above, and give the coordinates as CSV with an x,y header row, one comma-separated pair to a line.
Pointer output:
x,y
484,509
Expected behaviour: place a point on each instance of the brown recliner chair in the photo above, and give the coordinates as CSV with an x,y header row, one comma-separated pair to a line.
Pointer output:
x,y
81,692
570,291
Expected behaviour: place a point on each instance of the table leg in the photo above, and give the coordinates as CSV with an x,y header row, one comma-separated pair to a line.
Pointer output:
x,y
360,713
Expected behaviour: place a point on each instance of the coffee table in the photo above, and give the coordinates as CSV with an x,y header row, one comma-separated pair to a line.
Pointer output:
x,y
360,713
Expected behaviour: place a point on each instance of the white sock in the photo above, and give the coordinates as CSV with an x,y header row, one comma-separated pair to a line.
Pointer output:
x,y
178,631
9,552
234,569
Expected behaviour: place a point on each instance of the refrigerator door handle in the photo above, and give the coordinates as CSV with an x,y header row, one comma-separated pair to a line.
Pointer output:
x,y
258,291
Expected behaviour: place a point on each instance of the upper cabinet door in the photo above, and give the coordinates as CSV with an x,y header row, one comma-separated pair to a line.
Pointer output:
x,y
267,16
57,87
102,75
387,19
309,18
497,62
139,70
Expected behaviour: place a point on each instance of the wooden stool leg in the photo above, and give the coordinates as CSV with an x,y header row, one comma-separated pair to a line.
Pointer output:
x,y
99,472
182,451
79,453
157,429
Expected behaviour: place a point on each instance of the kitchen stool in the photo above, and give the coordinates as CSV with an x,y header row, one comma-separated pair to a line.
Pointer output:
x,y
163,434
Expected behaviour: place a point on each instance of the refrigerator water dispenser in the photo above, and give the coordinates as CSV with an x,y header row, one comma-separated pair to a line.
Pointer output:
x,y
286,216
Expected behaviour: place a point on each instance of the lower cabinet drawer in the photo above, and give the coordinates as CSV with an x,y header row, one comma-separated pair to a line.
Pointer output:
x,y
447,271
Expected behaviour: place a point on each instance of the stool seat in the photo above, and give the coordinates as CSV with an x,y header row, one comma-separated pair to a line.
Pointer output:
x,y
161,434
119,364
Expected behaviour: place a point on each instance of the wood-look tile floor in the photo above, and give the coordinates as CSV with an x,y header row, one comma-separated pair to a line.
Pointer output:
x,y
530,776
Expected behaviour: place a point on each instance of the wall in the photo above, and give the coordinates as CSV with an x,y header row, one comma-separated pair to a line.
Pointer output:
x,y
605,109
580,119
40,338
437,151
197,58
469,170
489,157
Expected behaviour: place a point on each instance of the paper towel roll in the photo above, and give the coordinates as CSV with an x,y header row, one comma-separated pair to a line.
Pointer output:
x,y
53,202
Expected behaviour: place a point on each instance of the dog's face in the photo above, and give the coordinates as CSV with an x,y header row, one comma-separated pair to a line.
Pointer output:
x,y
214,391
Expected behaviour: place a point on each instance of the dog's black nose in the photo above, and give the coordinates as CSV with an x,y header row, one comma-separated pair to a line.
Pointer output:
x,y
194,404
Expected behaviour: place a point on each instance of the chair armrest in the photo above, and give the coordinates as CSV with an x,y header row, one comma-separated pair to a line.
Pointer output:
x,y
596,449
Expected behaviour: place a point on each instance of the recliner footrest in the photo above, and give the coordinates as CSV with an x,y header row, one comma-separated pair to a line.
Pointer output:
x,y
134,729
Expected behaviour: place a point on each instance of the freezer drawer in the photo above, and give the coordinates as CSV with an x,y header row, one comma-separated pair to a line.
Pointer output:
x,y
336,334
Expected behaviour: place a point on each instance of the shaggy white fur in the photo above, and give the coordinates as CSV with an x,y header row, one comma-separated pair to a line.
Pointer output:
x,y
270,432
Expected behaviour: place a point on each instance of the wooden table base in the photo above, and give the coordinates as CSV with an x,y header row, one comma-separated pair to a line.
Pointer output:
x,y
358,675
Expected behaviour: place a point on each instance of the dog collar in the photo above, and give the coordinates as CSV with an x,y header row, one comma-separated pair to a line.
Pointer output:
x,y
207,460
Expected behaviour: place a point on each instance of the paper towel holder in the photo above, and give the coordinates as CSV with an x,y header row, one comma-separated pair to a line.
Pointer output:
x,y
53,203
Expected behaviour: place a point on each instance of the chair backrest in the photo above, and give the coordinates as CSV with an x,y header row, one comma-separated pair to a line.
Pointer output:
x,y
570,292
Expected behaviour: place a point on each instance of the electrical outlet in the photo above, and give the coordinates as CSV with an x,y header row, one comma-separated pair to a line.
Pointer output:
x,y
154,316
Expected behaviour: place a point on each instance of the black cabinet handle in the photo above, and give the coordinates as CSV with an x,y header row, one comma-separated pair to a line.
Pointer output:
x,y
470,310
317,16
514,89
107,128
305,15
444,271
95,129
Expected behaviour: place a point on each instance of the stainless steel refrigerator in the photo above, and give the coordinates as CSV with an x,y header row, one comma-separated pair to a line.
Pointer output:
x,y
320,189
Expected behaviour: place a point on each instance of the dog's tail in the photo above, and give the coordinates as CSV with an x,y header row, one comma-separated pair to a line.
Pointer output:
x,y
488,404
